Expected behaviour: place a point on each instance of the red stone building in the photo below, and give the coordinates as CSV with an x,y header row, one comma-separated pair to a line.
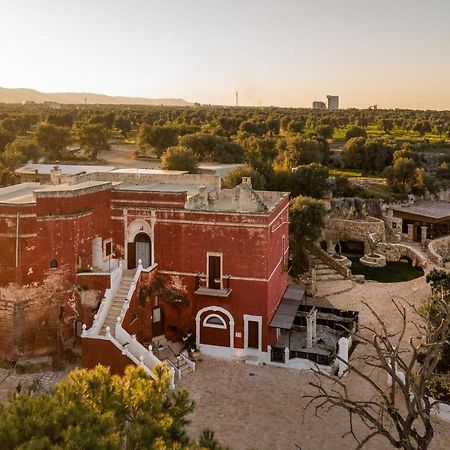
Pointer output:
x,y
220,254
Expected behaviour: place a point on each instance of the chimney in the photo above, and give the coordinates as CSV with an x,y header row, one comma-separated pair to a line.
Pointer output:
x,y
55,175
203,196
247,181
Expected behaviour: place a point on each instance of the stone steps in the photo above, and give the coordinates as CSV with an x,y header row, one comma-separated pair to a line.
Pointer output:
x,y
330,277
116,305
323,271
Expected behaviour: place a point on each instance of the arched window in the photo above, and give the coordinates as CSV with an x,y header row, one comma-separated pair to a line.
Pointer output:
x,y
214,321
53,264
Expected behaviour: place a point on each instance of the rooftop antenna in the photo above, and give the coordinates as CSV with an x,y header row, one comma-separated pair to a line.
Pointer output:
x,y
237,98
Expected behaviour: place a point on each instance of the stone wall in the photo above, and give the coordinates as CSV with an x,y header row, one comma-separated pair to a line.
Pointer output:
x,y
394,252
211,181
337,229
39,319
438,250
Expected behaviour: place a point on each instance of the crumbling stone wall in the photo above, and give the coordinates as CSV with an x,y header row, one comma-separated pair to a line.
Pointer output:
x,y
39,319
355,208
342,230
439,250
353,219
394,252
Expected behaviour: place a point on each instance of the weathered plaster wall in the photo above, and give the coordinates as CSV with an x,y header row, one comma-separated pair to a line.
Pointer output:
x,y
37,319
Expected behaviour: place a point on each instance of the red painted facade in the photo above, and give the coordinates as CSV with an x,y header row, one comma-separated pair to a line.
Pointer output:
x,y
59,226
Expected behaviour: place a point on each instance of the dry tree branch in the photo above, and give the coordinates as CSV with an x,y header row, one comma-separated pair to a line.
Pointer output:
x,y
401,412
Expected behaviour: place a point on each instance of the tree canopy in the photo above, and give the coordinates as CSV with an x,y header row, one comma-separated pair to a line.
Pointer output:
x,y
53,139
157,137
94,138
179,158
91,409
234,177
307,219
20,152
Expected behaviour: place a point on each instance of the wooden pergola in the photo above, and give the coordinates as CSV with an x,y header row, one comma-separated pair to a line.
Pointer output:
x,y
433,215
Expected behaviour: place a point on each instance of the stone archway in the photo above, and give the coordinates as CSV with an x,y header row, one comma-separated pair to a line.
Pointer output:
x,y
208,311
139,244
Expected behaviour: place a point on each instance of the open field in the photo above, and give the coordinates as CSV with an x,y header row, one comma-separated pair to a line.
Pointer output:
x,y
374,131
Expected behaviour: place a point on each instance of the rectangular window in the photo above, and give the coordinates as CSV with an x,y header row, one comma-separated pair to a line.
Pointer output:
x,y
283,251
214,271
107,249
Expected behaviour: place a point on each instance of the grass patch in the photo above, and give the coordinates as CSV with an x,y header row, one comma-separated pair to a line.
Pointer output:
x,y
394,272
345,173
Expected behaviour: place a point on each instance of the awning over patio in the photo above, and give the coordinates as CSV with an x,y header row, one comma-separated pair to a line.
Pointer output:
x,y
287,309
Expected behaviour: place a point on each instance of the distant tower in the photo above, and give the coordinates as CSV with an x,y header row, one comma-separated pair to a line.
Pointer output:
x,y
333,102
85,101
319,105
237,98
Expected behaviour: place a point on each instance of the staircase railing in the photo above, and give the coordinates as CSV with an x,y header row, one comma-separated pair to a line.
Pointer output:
x,y
130,341
329,260
124,341
105,305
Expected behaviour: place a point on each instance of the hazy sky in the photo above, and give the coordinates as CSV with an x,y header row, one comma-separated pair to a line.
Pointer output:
x,y
395,53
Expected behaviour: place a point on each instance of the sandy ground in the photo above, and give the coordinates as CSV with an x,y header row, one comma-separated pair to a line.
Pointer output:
x,y
262,406
122,155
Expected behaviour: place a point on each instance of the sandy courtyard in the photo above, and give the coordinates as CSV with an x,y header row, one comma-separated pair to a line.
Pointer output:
x,y
261,407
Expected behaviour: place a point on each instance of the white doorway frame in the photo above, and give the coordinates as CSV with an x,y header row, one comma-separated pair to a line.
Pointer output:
x,y
249,318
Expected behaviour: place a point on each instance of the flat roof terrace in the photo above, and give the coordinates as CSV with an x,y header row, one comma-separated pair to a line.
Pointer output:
x,y
66,169
159,187
19,193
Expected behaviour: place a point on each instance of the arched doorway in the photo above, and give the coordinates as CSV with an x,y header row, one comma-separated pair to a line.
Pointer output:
x,y
140,249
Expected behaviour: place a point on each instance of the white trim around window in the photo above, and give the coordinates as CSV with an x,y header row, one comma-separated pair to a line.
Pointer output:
x,y
222,325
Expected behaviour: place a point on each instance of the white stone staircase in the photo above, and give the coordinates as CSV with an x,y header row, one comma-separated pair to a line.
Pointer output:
x,y
117,303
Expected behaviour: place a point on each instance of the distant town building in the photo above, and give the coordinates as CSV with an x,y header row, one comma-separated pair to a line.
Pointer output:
x,y
28,102
319,105
53,105
333,102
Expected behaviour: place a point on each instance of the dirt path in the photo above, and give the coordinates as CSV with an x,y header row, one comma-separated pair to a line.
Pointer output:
x,y
122,156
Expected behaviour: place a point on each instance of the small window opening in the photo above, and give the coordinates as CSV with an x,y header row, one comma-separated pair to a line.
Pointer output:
x,y
214,321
